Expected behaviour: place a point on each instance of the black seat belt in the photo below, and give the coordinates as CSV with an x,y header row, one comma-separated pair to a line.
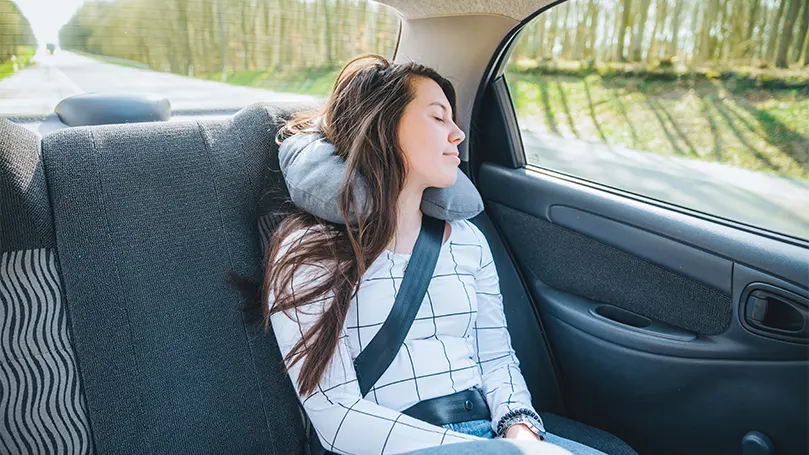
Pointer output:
x,y
380,352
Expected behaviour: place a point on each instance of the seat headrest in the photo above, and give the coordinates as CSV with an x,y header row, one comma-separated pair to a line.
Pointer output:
x,y
107,108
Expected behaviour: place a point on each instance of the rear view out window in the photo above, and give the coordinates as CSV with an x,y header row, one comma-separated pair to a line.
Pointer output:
x,y
699,103
200,54
17,40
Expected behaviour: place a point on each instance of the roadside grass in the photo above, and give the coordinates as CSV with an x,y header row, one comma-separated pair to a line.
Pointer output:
x,y
316,81
757,128
23,61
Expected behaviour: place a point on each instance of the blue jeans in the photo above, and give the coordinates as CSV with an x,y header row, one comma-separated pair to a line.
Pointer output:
x,y
483,429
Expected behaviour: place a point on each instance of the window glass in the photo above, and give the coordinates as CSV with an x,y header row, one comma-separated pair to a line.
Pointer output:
x,y
699,103
202,55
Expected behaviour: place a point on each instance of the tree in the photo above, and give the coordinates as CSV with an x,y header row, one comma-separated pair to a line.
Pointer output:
x,y
774,30
801,38
751,25
184,29
660,20
786,38
625,10
637,41
705,47
675,28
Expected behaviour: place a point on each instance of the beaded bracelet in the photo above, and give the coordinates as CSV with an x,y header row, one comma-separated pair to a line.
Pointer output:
x,y
524,416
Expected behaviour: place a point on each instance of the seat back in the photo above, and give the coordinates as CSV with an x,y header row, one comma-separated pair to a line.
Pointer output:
x,y
148,219
42,408
142,222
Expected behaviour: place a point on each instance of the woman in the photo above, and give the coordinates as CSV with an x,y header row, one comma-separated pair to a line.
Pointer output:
x,y
329,287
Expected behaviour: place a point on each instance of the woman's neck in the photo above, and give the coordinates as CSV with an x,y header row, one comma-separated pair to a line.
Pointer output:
x,y
408,226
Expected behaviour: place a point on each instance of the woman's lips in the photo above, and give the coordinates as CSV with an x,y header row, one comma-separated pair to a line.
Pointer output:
x,y
455,156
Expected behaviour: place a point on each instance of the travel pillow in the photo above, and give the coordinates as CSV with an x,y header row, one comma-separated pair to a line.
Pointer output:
x,y
314,172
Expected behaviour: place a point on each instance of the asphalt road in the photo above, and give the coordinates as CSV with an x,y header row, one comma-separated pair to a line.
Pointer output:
x,y
763,200
38,89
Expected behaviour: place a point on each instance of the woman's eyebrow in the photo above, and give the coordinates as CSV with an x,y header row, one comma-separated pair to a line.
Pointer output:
x,y
438,103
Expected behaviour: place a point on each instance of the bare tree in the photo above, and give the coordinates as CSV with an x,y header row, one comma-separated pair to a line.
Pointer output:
x,y
802,33
637,41
625,10
786,38
774,30
675,28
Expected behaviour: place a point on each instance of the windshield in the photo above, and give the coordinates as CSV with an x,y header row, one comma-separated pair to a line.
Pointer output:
x,y
201,55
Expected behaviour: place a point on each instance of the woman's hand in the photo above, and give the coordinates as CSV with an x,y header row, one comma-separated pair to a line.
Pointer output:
x,y
522,432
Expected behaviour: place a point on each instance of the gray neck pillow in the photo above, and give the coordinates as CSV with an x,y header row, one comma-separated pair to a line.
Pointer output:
x,y
314,172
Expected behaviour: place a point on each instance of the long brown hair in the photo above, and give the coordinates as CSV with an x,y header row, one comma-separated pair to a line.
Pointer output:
x,y
361,119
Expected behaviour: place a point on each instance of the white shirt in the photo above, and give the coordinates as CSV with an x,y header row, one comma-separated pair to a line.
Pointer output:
x,y
458,340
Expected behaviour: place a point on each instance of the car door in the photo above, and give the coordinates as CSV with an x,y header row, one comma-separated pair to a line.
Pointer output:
x,y
670,280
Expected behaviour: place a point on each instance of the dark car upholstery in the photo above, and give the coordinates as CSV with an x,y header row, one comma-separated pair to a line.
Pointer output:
x,y
135,227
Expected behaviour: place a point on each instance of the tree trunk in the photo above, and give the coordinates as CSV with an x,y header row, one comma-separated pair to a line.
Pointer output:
x,y
751,24
185,30
774,31
660,20
327,34
637,45
551,38
223,38
675,28
565,32
581,32
619,51
801,38
592,43
786,38
722,38
540,37
705,30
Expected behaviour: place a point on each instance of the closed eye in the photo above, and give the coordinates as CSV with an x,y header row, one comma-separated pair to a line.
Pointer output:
x,y
439,119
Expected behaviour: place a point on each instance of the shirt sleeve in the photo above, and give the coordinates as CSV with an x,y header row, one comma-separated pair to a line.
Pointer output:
x,y
344,421
502,382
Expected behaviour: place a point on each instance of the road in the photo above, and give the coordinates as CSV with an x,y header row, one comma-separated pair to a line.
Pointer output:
x,y
768,201
763,200
38,89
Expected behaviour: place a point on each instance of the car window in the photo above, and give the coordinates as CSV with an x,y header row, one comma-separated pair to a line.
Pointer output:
x,y
699,103
202,55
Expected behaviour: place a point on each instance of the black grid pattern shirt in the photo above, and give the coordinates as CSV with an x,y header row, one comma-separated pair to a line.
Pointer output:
x,y
458,340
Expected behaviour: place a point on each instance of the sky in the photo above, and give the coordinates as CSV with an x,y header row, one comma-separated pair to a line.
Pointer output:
x,y
47,16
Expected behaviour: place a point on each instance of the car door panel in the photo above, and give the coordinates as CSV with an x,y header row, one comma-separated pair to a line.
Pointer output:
x,y
642,305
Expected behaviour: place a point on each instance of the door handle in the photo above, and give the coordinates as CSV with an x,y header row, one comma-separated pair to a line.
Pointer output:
x,y
777,313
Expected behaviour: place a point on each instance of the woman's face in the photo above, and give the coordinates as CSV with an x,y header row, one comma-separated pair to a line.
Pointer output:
x,y
428,136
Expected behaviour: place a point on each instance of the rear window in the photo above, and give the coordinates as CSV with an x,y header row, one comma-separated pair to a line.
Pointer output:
x,y
202,55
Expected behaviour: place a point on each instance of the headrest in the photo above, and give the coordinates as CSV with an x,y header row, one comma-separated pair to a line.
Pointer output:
x,y
314,172
108,108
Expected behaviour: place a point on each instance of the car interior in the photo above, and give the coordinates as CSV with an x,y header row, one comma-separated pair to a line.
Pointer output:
x,y
641,326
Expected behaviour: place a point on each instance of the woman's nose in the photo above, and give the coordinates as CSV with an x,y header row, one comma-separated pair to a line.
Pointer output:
x,y
457,136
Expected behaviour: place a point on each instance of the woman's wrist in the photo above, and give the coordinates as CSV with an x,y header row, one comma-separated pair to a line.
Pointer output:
x,y
522,431
526,418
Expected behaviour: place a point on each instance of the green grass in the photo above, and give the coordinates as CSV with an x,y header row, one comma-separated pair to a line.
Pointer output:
x,y
712,119
113,60
23,61
306,81
738,73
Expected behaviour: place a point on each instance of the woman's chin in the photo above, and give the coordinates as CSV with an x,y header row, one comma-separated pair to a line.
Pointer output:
x,y
448,179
